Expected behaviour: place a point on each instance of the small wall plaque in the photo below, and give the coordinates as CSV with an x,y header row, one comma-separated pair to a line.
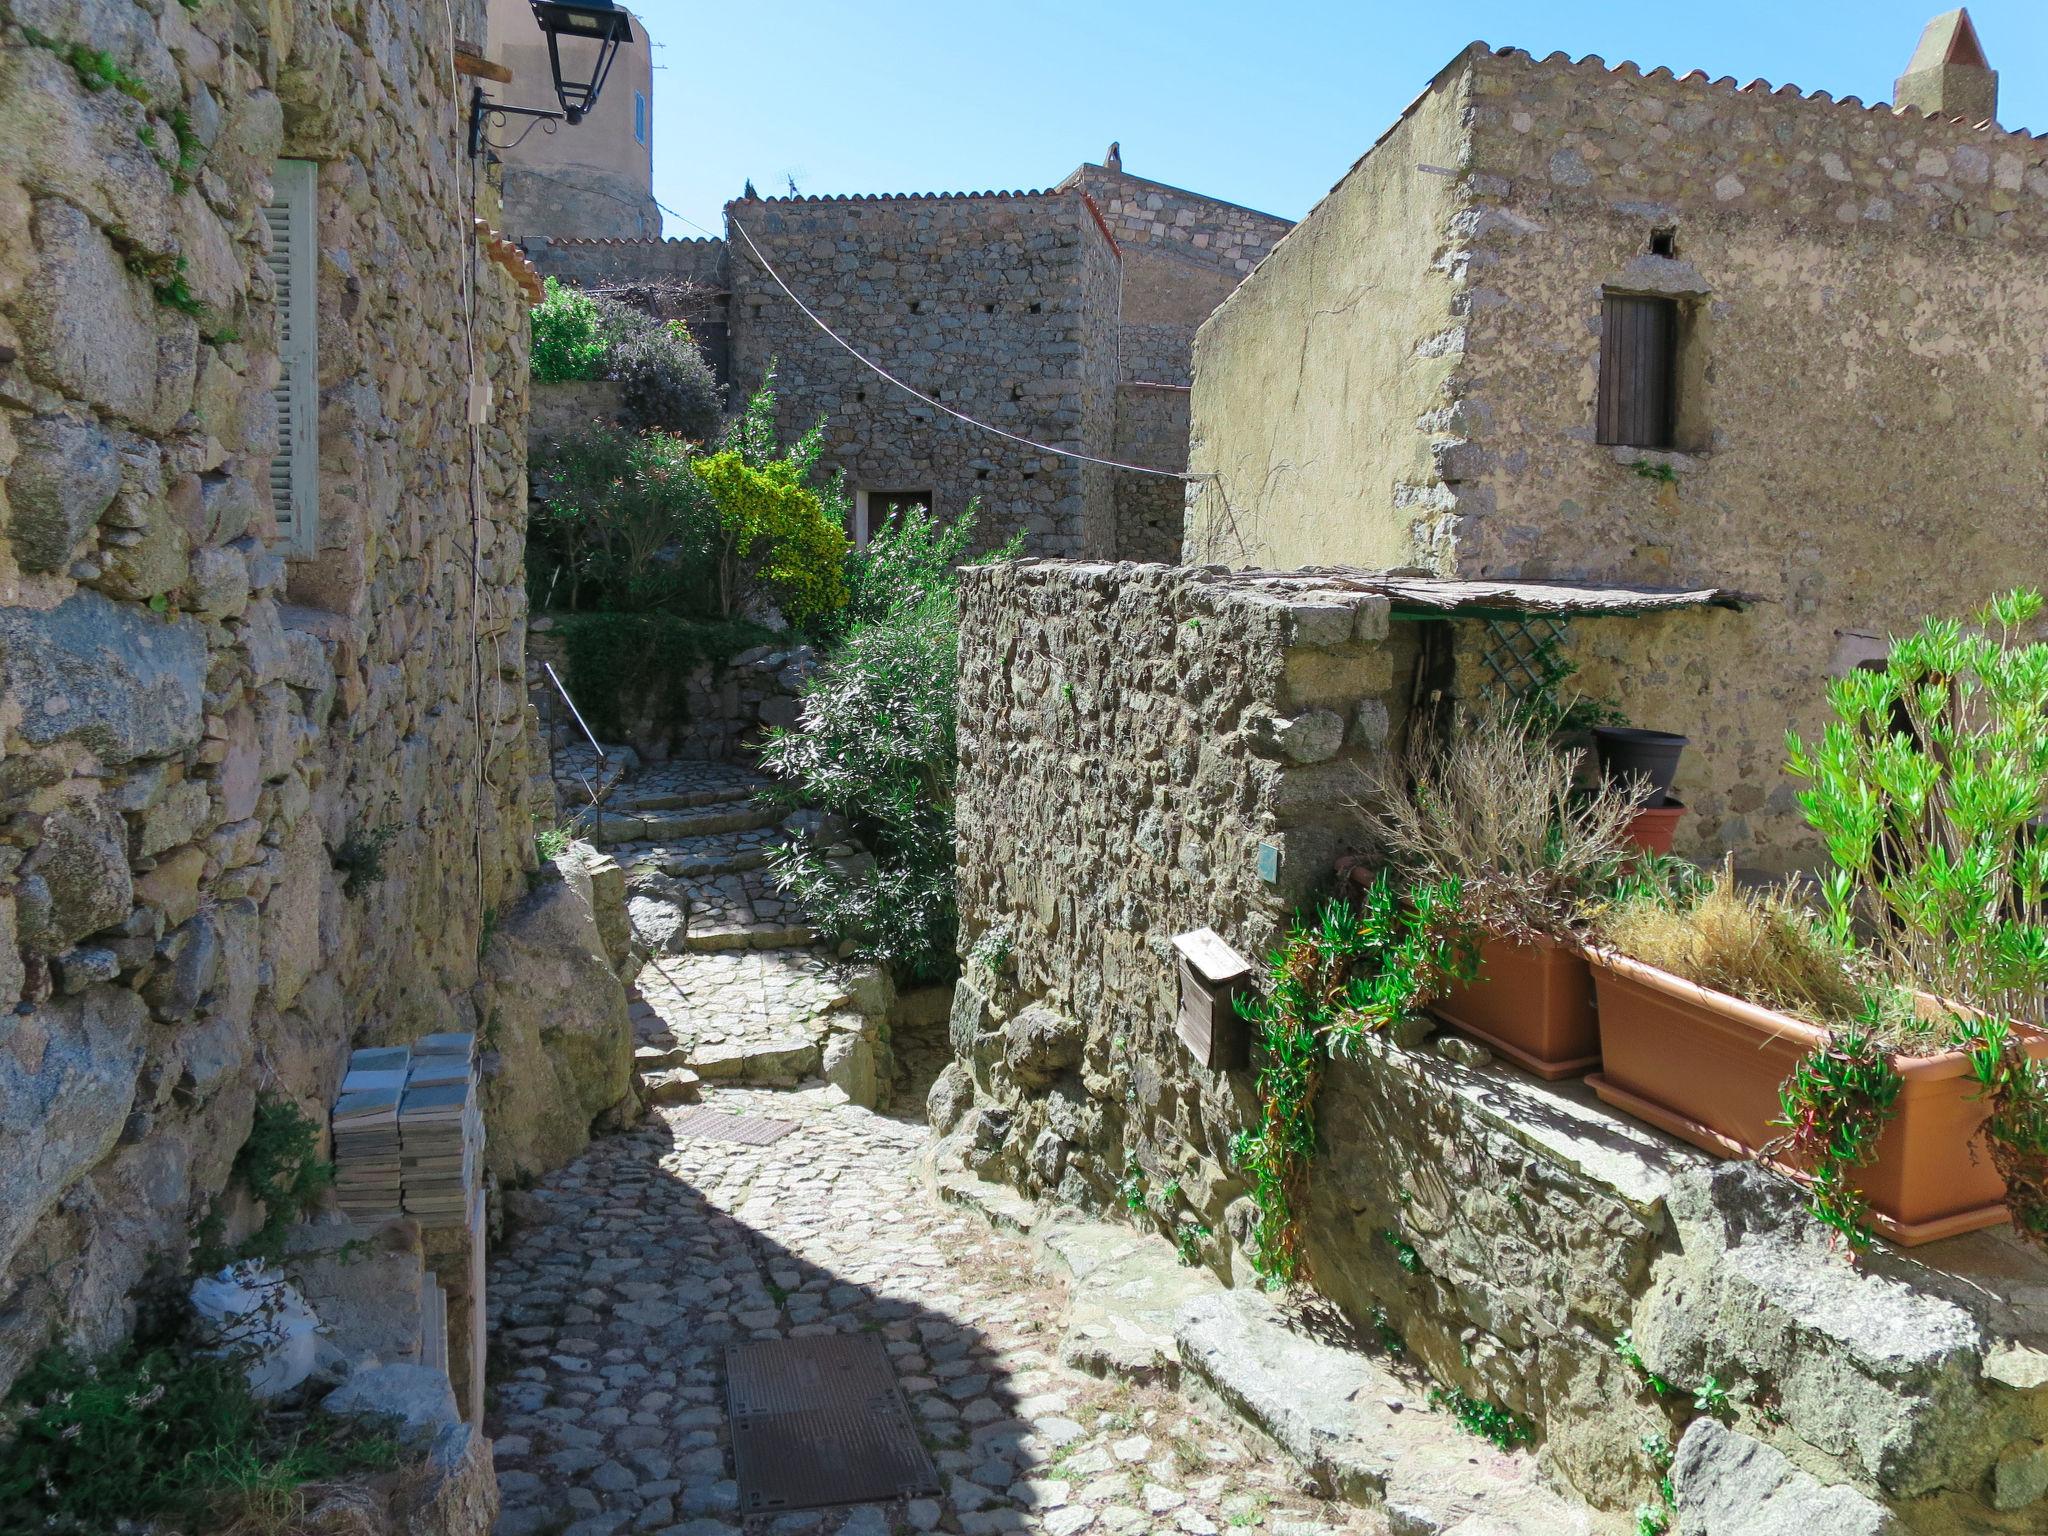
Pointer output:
x,y
1212,974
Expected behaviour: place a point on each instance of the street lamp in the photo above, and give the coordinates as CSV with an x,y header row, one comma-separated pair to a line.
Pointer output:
x,y
593,31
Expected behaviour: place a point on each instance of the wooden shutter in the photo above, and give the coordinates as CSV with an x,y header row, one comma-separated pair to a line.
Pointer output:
x,y
1639,371
295,470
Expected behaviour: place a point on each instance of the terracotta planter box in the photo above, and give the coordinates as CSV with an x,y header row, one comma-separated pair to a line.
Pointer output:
x,y
1533,1002
1706,1067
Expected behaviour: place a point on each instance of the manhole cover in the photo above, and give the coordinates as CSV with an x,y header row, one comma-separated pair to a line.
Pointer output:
x,y
820,1420
747,1130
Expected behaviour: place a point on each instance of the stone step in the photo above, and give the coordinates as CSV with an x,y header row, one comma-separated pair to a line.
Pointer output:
x,y
1363,1433
673,1085
716,936
672,826
650,1058
697,858
778,1061
1125,1286
639,804
1134,1311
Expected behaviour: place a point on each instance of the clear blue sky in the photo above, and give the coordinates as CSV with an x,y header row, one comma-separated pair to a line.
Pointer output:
x,y
1259,104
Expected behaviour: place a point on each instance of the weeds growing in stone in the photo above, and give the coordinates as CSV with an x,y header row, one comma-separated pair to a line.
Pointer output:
x,y
1625,1347
360,858
1350,974
280,1165
1489,1421
162,1433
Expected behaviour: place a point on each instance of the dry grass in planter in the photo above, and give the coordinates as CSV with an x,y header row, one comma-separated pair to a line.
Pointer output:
x,y
1737,1023
1498,809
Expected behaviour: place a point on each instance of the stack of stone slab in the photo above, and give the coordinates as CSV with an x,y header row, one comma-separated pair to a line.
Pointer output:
x,y
365,1120
441,1132
408,1133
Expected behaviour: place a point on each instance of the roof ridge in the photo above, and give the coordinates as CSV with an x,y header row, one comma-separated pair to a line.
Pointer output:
x,y
911,197
1629,69
631,239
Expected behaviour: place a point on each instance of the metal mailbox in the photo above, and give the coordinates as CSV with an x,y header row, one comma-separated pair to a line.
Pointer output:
x,y
1212,975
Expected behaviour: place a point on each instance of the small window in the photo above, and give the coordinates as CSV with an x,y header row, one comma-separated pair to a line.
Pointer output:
x,y
295,469
1664,242
1639,371
875,510
640,117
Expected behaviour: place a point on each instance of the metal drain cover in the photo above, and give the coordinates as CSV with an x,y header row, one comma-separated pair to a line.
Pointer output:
x,y
820,1420
715,1125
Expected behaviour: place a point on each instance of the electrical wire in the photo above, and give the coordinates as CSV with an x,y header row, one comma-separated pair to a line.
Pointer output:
x,y
939,405
915,393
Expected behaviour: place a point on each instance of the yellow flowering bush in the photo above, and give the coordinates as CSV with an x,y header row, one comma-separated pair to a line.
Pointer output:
x,y
771,519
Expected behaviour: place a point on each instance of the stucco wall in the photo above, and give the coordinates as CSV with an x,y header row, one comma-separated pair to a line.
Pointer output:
x,y
1319,383
989,300
190,726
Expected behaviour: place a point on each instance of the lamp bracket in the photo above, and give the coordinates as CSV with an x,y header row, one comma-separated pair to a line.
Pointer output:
x,y
485,112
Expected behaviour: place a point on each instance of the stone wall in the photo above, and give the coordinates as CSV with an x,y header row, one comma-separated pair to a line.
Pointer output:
x,y
1860,401
1160,353
1151,429
608,263
1185,230
997,319
196,735
727,708
1137,733
1866,290
1143,736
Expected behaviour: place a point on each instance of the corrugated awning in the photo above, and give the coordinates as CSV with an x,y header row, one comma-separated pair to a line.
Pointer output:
x,y
1432,597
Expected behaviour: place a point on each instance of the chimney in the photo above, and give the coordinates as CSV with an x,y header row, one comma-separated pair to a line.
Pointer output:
x,y
1114,160
1949,75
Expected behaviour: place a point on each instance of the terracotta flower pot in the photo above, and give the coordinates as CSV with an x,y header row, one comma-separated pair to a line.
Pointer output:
x,y
1653,827
1533,1002
1706,1067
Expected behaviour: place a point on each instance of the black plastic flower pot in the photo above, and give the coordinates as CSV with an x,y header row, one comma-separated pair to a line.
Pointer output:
x,y
1628,755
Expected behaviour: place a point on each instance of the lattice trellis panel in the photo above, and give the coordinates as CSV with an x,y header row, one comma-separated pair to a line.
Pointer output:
x,y
1523,656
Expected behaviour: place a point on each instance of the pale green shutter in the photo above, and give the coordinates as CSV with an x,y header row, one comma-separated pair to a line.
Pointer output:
x,y
295,471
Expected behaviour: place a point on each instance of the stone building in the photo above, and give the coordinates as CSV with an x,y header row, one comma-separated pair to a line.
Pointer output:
x,y
595,179
1064,318
1567,320
264,750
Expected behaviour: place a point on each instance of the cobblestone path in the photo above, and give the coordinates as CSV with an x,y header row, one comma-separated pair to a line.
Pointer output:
x,y
627,1273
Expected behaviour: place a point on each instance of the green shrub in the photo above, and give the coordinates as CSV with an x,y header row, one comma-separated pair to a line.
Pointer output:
x,y
162,1433
876,746
568,336
774,533
621,521
280,1165
665,383
621,664
642,522
1929,786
